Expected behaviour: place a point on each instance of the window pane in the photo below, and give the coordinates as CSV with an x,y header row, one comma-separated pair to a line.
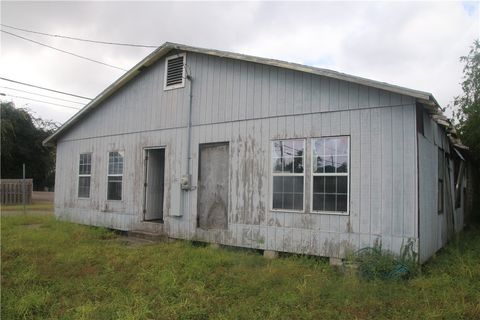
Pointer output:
x,y
288,149
330,164
288,184
329,202
288,201
342,146
277,184
115,163
298,201
298,165
342,203
287,158
318,164
277,165
342,163
288,164
318,147
318,184
330,146
299,148
84,187
342,185
114,188
277,149
298,185
277,201
330,185
330,191
318,202
85,163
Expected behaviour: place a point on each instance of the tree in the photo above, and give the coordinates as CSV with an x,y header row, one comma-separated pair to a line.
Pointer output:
x,y
21,137
467,114
468,103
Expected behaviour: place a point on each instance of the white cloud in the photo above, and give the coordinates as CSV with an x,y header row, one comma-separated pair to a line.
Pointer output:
x,y
412,44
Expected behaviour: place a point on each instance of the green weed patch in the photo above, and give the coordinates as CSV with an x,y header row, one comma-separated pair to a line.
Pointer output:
x,y
59,270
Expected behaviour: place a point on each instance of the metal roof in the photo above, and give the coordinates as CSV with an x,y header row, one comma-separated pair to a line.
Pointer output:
x,y
423,97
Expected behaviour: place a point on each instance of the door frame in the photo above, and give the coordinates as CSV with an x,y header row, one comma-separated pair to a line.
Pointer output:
x,y
145,177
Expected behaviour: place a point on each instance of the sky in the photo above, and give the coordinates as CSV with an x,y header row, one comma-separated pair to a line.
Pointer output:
x,y
411,44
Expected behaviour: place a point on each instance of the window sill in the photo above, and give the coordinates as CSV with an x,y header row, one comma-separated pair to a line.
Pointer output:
x,y
173,87
287,210
338,213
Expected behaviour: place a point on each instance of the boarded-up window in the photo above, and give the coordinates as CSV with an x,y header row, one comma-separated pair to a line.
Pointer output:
x,y
213,173
84,175
330,174
115,175
288,174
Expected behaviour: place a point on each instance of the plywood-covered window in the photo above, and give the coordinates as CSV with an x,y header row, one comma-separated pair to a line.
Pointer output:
x,y
84,175
115,175
330,174
288,176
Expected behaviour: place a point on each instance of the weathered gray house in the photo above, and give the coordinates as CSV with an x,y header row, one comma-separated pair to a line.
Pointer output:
x,y
244,151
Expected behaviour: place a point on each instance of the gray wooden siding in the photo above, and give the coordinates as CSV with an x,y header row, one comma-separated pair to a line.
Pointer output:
x,y
433,226
248,105
224,90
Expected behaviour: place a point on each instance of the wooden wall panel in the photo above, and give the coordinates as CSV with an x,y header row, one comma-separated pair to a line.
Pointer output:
x,y
249,105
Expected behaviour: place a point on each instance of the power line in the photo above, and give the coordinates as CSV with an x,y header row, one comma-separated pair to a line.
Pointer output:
x,y
82,39
42,95
55,104
64,51
43,88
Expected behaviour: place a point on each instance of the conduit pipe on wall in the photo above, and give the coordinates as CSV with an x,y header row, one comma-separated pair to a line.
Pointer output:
x,y
185,182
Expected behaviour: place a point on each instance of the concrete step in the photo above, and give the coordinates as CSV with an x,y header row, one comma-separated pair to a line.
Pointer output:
x,y
151,227
151,236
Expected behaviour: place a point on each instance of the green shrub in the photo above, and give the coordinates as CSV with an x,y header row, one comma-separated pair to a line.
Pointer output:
x,y
378,263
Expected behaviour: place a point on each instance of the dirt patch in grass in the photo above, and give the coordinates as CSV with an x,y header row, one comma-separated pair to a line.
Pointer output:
x,y
32,225
131,241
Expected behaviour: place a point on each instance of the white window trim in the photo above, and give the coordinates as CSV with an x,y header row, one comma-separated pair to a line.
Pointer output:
x,y
179,85
84,175
312,174
281,174
115,175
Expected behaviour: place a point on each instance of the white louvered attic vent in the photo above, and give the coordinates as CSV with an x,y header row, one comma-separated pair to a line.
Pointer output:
x,y
175,72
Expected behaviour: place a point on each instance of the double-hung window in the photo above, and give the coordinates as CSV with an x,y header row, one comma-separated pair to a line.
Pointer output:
x,y
288,157
330,174
84,175
115,175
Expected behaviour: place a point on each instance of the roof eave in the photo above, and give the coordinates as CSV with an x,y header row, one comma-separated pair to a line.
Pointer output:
x,y
132,73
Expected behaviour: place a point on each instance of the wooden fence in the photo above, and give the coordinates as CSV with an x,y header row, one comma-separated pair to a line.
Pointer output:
x,y
11,191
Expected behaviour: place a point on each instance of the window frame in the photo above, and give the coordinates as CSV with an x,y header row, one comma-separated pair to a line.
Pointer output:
x,y
441,196
441,165
334,174
178,85
80,175
115,174
282,174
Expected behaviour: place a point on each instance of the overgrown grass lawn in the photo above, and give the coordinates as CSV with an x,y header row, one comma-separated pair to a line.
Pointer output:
x,y
53,270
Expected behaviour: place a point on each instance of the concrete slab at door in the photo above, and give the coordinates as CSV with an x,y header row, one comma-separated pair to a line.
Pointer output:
x,y
212,204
